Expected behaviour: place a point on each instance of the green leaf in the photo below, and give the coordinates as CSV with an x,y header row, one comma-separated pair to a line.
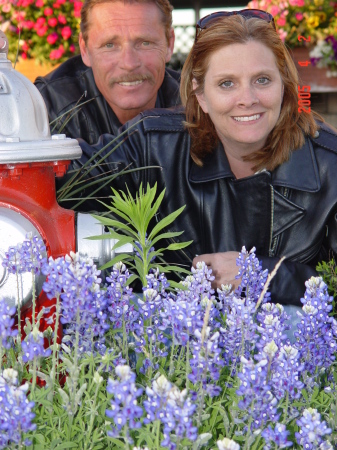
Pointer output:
x,y
165,222
179,245
116,259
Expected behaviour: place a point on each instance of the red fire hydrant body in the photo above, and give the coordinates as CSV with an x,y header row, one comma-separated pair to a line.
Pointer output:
x,y
30,158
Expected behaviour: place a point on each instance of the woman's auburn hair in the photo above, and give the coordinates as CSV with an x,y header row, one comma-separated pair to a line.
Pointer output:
x,y
291,127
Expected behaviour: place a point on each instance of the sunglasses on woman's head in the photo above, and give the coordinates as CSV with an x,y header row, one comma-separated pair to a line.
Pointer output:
x,y
209,20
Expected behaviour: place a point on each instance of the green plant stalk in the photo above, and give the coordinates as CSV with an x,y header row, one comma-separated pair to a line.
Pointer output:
x,y
187,364
125,343
34,299
248,430
127,446
19,306
158,434
1,355
92,418
55,344
34,375
72,390
171,368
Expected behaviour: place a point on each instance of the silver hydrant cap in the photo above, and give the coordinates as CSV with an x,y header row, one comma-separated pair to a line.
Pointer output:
x,y
24,125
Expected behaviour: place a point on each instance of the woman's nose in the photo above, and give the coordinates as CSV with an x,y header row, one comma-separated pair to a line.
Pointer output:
x,y
248,96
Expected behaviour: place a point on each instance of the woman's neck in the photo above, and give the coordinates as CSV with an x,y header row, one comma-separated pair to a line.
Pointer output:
x,y
240,168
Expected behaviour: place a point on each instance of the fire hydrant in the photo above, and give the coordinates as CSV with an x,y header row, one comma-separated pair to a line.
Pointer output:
x,y
30,158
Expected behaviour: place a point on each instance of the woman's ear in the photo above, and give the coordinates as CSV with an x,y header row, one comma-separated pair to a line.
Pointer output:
x,y
200,97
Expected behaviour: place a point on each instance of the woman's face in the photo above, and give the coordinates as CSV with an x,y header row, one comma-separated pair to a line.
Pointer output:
x,y
242,94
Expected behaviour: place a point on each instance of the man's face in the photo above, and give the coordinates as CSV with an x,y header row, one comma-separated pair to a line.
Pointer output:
x,y
127,50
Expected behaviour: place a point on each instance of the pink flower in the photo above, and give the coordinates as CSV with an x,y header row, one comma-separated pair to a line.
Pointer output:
x,y
299,16
274,10
55,54
56,5
40,22
282,34
41,31
72,48
300,3
6,8
281,22
66,32
28,24
39,3
24,46
48,11
52,22
24,55
62,19
52,38
77,8
26,3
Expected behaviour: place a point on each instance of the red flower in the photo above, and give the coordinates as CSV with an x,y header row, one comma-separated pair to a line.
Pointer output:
x,y
52,38
24,55
57,54
72,48
40,22
39,3
25,46
28,24
52,22
41,31
62,19
66,32
48,11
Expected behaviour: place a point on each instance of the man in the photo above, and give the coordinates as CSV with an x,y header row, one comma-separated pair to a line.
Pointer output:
x,y
121,72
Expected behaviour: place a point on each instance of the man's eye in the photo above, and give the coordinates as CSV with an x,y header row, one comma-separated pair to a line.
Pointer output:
x,y
145,43
109,45
226,83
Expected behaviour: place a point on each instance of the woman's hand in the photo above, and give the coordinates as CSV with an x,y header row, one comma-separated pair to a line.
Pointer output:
x,y
223,267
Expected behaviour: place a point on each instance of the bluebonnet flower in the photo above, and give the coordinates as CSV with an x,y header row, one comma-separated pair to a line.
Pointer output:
x,y
286,370
173,408
75,280
312,430
206,362
148,249
15,410
253,277
33,346
257,399
28,256
272,324
239,333
184,313
227,444
6,324
277,436
120,300
317,332
124,408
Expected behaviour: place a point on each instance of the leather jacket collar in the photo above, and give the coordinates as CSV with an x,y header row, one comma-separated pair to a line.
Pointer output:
x,y
300,172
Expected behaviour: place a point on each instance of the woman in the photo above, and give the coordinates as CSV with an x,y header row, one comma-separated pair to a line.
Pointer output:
x,y
250,168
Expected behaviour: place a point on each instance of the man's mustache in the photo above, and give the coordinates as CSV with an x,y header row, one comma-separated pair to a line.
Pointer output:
x,y
130,78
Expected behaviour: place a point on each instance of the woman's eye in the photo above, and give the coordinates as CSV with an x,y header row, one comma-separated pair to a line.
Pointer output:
x,y
263,80
226,83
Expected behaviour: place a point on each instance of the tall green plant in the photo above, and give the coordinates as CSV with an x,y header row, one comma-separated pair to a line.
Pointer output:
x,y
136,215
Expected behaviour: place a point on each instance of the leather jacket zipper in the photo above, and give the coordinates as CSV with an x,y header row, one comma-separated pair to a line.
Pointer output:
x,y
273,242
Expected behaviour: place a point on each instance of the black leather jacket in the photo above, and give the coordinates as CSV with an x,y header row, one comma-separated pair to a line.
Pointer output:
x,y
73,83
290,212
